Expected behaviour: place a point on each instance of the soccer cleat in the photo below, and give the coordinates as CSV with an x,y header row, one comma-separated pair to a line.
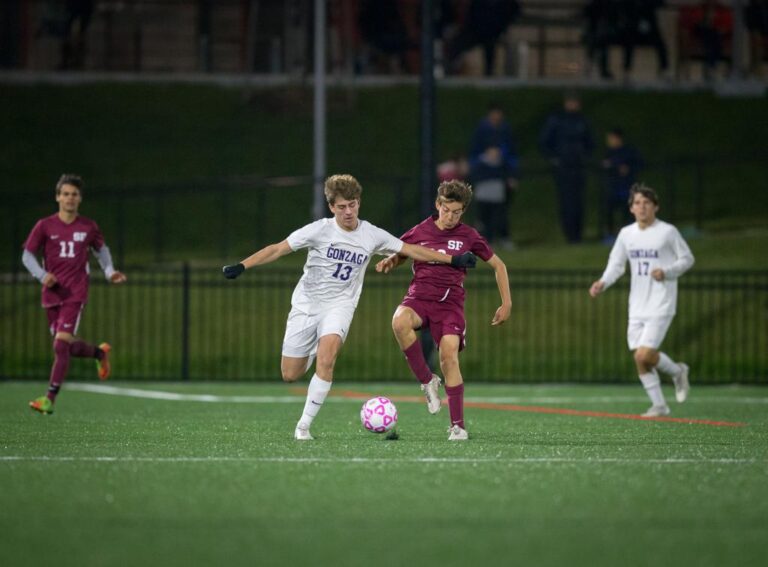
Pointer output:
x,y
682,386
657,411
302,433
42,404
103,365
430,390
457,433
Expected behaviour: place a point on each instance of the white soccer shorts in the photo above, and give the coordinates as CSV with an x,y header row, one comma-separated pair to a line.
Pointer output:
x,y
303,330
647,332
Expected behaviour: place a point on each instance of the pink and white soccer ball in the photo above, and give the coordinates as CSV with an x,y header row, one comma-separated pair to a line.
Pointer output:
x,y
378,415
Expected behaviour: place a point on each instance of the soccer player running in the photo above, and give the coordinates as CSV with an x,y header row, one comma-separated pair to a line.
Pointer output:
x,y
657,256
324,300
65,239
435,299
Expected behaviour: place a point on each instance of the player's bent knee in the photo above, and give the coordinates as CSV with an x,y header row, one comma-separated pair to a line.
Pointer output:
x,y
645,356
448,362
290,375
401,324
68,337
61,347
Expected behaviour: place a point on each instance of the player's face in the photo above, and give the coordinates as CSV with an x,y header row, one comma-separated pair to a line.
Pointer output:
x,y
643,209
346,213
449,214
69,198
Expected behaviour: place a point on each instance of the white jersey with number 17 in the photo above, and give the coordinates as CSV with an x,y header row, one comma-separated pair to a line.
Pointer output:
x,y
336,262
659,245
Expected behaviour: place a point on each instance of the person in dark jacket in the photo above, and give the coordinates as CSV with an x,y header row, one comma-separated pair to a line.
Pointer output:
x,y
485,22
621,164
566,141
493,166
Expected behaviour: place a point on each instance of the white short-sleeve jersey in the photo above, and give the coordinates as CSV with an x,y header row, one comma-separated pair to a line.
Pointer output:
x,y
656,246
336,262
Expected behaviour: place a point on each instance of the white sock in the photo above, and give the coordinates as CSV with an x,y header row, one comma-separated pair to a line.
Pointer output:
x,y
667,365
316,392
652,386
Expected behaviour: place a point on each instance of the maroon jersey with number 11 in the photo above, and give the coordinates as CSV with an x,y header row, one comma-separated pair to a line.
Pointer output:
x,y
441,282
65,255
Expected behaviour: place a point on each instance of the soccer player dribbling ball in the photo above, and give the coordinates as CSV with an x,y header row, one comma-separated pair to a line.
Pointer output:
x,y
657,256
435,299
65,239
325,299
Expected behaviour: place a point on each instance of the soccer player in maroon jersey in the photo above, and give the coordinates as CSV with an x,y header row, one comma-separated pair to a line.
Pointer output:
x,y
65,239
435,298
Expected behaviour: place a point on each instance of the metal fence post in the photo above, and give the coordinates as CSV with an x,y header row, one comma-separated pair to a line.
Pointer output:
x,y
185,282
698,194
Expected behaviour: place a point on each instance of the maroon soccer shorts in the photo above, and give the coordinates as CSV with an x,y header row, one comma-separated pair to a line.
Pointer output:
x,y
64,318
442,318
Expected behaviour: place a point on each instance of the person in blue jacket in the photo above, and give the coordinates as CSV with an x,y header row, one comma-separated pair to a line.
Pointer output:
x,y
621,164
493,166
566,141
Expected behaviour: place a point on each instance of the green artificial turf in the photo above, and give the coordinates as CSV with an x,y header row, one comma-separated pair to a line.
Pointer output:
x,y
120,480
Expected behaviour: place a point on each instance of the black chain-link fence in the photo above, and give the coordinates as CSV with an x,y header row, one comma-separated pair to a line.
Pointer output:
x,y
191,324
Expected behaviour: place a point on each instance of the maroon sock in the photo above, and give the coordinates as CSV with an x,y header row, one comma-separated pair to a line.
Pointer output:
x,y
415,357
60,367
456,404
82,349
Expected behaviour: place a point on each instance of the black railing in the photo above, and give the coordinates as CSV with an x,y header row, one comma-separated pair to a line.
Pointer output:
x,y
218,218
189,323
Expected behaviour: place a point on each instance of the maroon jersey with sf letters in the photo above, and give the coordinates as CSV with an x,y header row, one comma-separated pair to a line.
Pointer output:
x,y
442,282
65,255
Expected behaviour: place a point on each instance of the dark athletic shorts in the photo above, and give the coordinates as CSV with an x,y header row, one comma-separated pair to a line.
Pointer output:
x,y
64,318
441,318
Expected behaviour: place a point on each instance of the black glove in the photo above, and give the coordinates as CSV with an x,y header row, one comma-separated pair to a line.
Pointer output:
x,y
231,272
466,260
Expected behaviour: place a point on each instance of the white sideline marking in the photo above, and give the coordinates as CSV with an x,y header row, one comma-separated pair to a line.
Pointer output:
x,y
367,460
173,396
211,398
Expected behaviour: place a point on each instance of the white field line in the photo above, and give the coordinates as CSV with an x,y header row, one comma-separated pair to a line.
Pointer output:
x,y
211,398
389,461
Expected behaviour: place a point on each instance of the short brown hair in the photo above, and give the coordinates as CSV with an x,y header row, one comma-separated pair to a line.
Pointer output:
x,y
645,191
69,179
344,186
456,191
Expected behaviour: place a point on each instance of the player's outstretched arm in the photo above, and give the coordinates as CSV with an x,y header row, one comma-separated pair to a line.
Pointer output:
x,y
424,254
118,277
264,256
389,263
502,281
104,256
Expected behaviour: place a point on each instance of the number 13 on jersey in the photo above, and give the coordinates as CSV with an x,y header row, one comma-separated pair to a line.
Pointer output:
x,y
342,272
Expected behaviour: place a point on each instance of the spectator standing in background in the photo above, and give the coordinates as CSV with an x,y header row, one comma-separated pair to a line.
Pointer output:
x,y
602,21
756,20
621,163
642,28
566,141
453,168
493,164
484,23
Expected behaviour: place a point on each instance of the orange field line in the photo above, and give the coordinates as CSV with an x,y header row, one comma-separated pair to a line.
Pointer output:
x,y
542,409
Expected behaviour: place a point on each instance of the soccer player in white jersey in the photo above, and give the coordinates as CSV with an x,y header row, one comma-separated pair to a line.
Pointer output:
x,y
657,256
326,296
